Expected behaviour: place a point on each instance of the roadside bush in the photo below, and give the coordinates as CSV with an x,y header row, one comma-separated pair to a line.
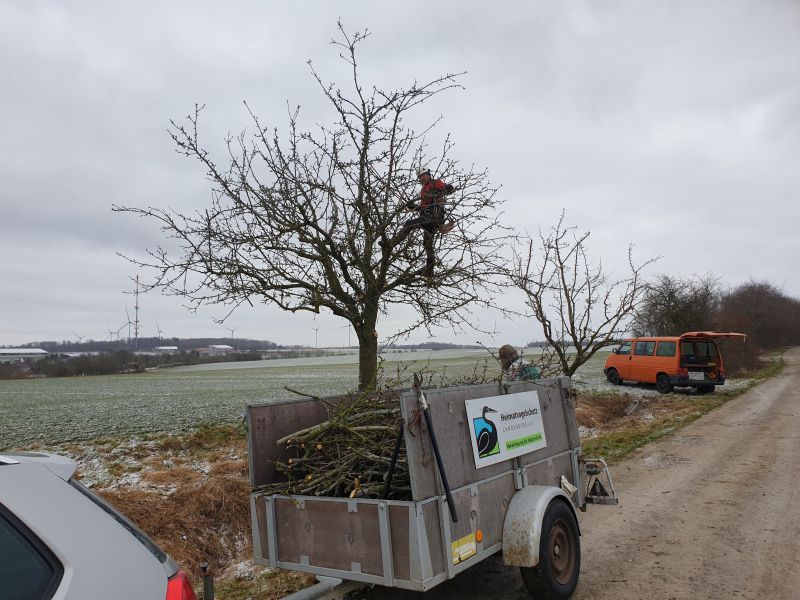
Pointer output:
x,y
673,305
769,317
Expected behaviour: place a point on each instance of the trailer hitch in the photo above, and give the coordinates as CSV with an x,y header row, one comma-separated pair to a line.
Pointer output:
x,y
596,492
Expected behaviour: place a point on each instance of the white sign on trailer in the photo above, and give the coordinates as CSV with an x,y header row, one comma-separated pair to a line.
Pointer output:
x,y
502,427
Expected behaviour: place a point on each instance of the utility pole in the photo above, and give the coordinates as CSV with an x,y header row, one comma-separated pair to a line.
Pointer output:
x,y
135,314
349,329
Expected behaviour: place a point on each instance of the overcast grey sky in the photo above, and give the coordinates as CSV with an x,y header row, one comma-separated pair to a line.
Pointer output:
x,y
672,125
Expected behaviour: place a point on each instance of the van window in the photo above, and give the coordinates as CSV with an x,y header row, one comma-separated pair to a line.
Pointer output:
x,y
698,350
644,348
706,349
625,348
666,349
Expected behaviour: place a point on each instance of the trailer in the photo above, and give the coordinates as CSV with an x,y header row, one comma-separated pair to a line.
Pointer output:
x,y
493,468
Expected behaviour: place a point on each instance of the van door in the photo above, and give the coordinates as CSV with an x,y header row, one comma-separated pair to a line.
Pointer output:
x,y
666,359
621,360
643,363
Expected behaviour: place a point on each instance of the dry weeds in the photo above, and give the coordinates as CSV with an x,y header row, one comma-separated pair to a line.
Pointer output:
x,y
191,496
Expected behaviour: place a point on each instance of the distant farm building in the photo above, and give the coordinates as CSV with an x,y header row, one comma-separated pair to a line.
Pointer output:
x,y
219,349
165,349
215,350
19,354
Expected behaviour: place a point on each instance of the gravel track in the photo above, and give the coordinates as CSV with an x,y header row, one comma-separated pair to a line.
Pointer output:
x,y
712,511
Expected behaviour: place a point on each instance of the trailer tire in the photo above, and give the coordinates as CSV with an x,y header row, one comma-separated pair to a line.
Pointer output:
x,y
556,575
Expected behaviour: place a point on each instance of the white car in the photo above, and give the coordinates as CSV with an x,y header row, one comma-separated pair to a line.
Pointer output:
x,y
59,541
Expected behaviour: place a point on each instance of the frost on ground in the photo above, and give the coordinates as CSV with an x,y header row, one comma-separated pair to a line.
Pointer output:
x,y
598,384
190,491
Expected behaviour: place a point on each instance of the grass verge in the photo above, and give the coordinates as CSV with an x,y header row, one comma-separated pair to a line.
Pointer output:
x,y
621,433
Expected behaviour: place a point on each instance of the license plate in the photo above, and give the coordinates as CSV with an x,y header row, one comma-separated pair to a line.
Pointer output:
x,y
697,375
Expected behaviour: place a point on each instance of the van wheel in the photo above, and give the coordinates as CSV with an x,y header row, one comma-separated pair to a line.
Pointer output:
x,y
663,385
556,575
613,377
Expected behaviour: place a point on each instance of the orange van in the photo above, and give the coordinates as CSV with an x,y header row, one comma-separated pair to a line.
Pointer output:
x,y
692,359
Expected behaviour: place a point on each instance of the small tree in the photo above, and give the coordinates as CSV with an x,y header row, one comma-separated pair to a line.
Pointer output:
x,y
295,220
577,304
673,305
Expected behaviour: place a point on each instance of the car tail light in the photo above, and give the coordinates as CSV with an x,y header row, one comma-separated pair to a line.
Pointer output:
x,y
180,588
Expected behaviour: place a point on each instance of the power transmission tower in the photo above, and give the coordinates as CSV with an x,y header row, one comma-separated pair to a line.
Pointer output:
x,y
135,314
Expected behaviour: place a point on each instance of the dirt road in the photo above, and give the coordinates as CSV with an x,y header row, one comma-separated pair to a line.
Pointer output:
x,y
712,511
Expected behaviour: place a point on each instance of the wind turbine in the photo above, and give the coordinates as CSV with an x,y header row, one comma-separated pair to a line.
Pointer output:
x,y
316,336
128,323
159,331
80,337
232,330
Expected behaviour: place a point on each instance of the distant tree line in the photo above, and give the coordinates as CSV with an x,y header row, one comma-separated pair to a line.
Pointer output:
x,y
674,305
110,363
149,343
431,346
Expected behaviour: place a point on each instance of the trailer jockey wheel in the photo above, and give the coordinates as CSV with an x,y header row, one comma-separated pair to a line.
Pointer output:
x,y
556,575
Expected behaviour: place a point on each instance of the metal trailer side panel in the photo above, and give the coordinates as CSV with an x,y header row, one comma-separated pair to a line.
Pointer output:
x,y
267,423
408,545
448,415
452,430
360,539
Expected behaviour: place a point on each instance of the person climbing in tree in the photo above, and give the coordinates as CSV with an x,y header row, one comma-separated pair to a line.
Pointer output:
x,y
431,219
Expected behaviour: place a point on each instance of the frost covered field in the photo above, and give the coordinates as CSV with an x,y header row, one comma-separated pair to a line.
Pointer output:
x,y
51,411
58,410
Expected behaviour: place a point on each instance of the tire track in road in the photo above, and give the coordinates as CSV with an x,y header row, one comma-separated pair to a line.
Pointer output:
x,y
709,513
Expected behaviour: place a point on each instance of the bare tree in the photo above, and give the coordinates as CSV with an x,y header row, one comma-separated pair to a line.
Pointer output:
x,y
673,305
581,309
764,312
295,220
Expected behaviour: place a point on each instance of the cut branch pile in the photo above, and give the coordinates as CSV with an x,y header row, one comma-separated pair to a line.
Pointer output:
x,y
347,456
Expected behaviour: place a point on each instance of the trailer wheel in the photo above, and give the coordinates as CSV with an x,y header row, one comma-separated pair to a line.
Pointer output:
x,y
556,575
705,389
662,384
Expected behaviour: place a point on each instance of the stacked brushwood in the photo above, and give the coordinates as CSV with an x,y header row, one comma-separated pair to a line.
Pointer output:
x,y
347,456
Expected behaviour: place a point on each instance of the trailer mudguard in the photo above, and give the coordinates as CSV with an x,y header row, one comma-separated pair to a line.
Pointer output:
x,y
522,527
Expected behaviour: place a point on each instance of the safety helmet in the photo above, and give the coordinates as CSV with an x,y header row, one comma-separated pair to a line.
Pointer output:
x,y
423,170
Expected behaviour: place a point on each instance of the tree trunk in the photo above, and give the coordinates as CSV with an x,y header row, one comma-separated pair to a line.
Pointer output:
x,y
367,356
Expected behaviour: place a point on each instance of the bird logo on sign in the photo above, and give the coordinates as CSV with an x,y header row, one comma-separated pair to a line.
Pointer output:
x,y
486,434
